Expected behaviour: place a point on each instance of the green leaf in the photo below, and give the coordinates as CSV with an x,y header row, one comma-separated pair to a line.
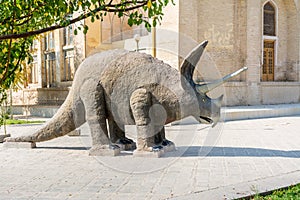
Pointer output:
x,y
130,21
85,29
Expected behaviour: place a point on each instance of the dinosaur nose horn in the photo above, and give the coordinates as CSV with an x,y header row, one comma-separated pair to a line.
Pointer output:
x,y
204,88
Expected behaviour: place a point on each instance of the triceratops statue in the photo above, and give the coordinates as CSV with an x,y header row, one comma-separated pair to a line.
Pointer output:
x,y
123,88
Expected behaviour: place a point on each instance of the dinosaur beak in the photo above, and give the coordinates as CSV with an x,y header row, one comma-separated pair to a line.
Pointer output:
x,y
216,120
205,120
215,116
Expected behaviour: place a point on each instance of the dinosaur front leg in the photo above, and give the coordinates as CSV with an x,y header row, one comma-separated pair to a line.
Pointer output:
x,y
93,100
160,139
140,103
117,136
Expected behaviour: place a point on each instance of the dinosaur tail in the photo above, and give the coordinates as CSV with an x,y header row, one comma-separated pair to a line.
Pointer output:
x,y
61,124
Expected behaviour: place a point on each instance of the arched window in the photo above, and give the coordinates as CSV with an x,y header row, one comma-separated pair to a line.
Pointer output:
x,y
68,68
269,41
269,20
49,60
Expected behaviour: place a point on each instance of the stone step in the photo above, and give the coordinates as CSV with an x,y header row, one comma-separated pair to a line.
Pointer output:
x,y
251,112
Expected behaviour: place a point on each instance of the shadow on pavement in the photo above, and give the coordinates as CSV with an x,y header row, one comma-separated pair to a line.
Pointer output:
x,y
65,148
208,151
201,151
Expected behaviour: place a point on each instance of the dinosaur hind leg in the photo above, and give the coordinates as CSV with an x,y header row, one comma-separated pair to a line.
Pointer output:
x,y
92,95
117,136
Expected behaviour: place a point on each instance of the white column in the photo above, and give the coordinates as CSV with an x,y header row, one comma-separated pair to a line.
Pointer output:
x,y
39,63
58,35
254,50
298,22
42,64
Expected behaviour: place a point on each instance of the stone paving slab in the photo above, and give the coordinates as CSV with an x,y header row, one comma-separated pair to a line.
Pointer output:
x,y
232,160
21,145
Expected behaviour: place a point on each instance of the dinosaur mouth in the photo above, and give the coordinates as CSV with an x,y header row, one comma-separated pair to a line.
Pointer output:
x,y
206,119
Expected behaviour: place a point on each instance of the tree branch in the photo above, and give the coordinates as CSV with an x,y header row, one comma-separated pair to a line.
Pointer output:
x,y
81,17
30,14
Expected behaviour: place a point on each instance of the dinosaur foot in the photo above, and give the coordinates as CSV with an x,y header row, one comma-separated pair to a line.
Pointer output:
x,y
104,150
126,144
151,152
168,145
74,133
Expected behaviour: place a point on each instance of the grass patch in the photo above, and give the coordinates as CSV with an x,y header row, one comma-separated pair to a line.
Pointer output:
x,y
18,121
290,193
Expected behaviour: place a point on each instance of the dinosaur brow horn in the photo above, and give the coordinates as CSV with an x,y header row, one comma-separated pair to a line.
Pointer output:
x,y
204,88
188,66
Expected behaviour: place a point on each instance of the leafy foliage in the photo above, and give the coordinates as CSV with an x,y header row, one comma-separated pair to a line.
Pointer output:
x,y
291,193
13,53
19,121
31,17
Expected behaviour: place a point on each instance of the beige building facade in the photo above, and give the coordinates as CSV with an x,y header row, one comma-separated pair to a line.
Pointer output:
x,y
51,71
263,35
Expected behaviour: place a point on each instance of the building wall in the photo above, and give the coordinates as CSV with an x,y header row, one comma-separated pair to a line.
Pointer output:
x,y
50,75
110,33
234,30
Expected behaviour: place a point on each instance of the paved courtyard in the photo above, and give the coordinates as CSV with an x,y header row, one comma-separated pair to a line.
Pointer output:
x,y
234,159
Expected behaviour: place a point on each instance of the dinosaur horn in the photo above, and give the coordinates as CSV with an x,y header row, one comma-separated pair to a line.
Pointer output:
x,y
204,88
188,66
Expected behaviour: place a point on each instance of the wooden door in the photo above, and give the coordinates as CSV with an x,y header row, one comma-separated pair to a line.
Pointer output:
x,y
268,65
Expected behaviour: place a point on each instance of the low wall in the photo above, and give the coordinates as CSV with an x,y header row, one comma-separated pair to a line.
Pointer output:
x,y
264,93
251,112
34,110
40,96
280,92
227,113
261,111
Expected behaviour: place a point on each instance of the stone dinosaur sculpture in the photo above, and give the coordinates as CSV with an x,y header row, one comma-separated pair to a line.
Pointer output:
x,y
123,88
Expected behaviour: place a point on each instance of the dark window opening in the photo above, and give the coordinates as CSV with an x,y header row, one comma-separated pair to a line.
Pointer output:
x,y
269,20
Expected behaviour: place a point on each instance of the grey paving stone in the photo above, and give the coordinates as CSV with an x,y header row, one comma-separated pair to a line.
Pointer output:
x,y
236,162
